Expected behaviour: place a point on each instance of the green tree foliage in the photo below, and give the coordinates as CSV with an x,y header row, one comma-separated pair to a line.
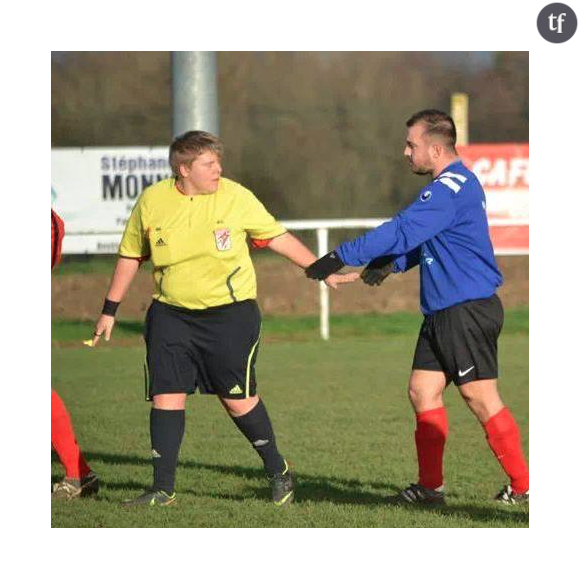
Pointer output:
x,y
111,99
314,134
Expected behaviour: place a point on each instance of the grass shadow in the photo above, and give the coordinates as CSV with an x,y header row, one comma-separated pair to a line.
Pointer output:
x,y
477,513
319,489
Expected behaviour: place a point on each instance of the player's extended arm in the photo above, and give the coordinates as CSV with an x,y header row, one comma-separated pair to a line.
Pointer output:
x,y
125,272
293,249
430,214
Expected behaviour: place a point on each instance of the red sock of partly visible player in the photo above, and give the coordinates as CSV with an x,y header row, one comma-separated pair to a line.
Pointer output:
x,y
430,436
503,436
63,440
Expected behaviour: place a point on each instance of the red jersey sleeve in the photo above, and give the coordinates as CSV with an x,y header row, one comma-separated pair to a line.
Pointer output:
x,y
56,235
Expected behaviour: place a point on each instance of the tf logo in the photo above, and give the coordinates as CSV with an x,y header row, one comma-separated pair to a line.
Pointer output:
x,y
223,239
557,23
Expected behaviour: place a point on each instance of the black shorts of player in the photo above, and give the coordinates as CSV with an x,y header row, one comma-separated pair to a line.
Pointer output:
x,y
213,350
461,341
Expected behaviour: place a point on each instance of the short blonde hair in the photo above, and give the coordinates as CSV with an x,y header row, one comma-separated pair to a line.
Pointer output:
x,y
188,146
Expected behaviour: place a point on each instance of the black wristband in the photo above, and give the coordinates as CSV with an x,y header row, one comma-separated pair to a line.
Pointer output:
x,y
110,307
325,266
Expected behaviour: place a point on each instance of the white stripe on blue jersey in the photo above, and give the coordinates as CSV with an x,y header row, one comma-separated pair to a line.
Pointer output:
x,y
449,183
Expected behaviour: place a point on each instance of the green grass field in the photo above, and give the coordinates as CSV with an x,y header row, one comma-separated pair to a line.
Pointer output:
x,y
342,419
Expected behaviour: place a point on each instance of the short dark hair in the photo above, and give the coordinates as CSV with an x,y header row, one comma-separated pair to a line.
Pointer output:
x,y
436,123
188,146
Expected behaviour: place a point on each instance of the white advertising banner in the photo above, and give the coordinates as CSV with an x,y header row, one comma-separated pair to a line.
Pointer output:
x,y
95,189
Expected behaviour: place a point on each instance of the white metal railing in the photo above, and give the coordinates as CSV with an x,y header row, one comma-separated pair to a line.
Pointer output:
x,y
322,227
74,241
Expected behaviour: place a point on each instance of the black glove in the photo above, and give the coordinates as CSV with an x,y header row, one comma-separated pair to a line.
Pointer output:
x,y
325,266
378,270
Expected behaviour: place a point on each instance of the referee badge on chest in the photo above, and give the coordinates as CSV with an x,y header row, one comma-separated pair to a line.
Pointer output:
x,y
223,239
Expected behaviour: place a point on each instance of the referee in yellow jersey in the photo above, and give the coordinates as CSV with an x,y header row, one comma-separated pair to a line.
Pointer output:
x,y
203,326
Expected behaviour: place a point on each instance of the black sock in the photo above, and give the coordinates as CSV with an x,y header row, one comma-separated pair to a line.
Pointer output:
x,y
257,428
167,427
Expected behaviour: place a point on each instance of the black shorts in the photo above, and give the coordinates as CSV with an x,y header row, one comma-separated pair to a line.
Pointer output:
x,y
213,350
461,341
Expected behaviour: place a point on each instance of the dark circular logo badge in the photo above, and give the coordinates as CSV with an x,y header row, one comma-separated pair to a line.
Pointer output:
x,y
557,23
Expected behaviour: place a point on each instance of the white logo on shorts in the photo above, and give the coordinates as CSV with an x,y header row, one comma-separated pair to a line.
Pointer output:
x,y
462,373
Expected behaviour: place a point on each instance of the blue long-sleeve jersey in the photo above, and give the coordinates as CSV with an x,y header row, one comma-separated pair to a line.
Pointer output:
x,y
445,231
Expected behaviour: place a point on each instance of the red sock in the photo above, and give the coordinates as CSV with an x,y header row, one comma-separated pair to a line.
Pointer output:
x,y
503,437
430,436
63,440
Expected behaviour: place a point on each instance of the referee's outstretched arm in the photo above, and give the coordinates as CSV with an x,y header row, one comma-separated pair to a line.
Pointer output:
x,y
294,250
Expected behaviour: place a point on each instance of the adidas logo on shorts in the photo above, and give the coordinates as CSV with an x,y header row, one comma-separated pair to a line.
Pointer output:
x,y
160,243
236,389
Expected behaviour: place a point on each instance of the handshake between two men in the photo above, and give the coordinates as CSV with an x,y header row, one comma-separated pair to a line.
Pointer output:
x,y
373,274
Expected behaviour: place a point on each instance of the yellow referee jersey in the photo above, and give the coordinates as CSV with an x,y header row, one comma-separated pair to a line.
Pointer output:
x,y
198,244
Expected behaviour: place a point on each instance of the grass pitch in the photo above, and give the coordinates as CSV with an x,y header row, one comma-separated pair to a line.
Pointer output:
x,y
341,417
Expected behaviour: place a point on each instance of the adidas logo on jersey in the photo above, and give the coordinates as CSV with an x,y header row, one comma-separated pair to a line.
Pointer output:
x,y
236,389
160,243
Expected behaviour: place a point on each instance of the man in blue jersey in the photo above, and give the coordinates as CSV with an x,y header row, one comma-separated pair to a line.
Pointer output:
x,y
445,232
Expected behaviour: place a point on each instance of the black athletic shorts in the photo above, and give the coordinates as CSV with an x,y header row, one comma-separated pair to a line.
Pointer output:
x,y
461,341
213,350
